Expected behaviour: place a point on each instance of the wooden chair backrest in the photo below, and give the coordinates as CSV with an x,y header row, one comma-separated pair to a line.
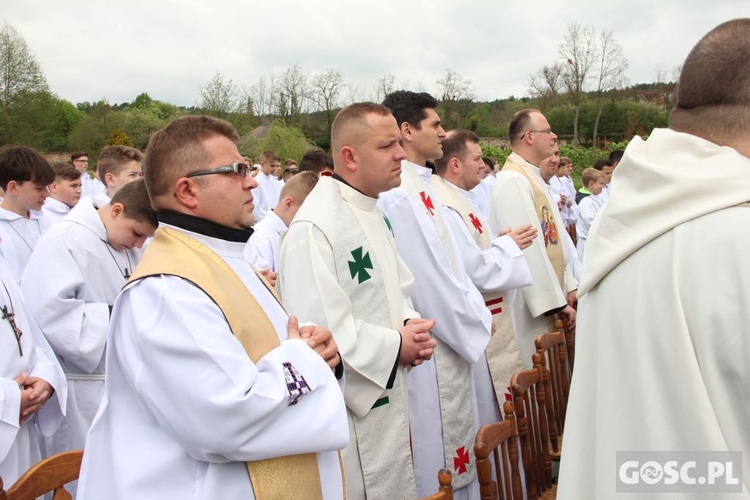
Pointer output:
x,y
446,488
529,403
499,440
551,347
51,474
570,339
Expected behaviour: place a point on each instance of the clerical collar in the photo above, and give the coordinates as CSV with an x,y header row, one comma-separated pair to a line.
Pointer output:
x,y
203,226
338,178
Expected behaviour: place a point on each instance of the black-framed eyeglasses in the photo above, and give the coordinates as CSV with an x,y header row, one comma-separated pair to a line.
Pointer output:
x,y
240,168
545,131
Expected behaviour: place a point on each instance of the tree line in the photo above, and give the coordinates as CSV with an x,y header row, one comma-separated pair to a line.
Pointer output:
x,y
584,93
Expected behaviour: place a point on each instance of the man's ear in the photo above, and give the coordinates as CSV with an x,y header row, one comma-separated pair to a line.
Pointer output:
x,y
288,202
349,158
406,131
454,165
187,192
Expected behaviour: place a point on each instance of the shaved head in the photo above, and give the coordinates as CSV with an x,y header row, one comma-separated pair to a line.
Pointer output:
x,y
351,126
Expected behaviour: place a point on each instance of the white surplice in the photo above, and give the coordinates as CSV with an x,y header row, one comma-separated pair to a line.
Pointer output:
x,y
262,249
266,195
18,237
662,337
19,444
512,205
74,277
587,210
54,210
442,291
336,225
184,407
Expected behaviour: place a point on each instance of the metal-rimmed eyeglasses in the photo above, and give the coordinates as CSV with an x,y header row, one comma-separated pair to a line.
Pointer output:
x,y
239,167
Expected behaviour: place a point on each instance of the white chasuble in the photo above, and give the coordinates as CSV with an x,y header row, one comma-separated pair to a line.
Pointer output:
x,y
502,352
441,395
339,268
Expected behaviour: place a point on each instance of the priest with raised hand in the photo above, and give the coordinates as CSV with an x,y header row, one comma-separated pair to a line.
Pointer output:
x,y
339,267
494,262
212,390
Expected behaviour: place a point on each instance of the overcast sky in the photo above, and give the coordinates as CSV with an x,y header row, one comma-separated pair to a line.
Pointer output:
x,y
115,50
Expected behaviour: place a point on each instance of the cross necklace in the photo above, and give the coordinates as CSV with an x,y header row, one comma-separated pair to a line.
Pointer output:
x,y
126,272
10,316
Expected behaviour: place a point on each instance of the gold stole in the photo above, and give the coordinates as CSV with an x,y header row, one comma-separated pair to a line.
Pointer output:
x,y
172,253
550,233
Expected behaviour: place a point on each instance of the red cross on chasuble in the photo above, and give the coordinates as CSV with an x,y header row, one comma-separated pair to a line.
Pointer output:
x,y
461,460
476,223
427,202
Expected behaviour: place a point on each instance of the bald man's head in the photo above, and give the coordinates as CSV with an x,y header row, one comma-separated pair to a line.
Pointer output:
x,y
351,127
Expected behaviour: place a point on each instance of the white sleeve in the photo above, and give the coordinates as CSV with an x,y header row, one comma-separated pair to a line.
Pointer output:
x,y
309,289
176,350
461,319
259,251
502,266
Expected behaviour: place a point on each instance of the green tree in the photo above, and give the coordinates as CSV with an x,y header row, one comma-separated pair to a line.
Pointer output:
x,y
220,96
91,133
285,140
20,78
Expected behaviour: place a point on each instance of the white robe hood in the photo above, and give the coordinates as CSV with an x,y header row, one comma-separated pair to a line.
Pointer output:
x,y
680,173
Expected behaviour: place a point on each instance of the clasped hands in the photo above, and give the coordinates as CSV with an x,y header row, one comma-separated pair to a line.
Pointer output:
x,y
417,345
318,338
34,393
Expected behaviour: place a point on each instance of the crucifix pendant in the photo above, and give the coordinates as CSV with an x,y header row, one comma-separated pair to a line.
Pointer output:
x,y
11,317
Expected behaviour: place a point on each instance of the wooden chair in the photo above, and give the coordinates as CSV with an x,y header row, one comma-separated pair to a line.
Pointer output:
x,y
49,475
499,440
529,400
570,339
446,489
551,348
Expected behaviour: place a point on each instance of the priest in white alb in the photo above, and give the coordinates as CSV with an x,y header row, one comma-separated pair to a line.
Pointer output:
x,y
442,403
520,196
212,390
339,267
495,264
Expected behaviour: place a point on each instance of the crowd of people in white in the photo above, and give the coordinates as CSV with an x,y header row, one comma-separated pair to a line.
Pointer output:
x,y
134,327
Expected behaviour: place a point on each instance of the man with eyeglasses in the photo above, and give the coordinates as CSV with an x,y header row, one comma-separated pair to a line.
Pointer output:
x,y
212,390
521,196
80,160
